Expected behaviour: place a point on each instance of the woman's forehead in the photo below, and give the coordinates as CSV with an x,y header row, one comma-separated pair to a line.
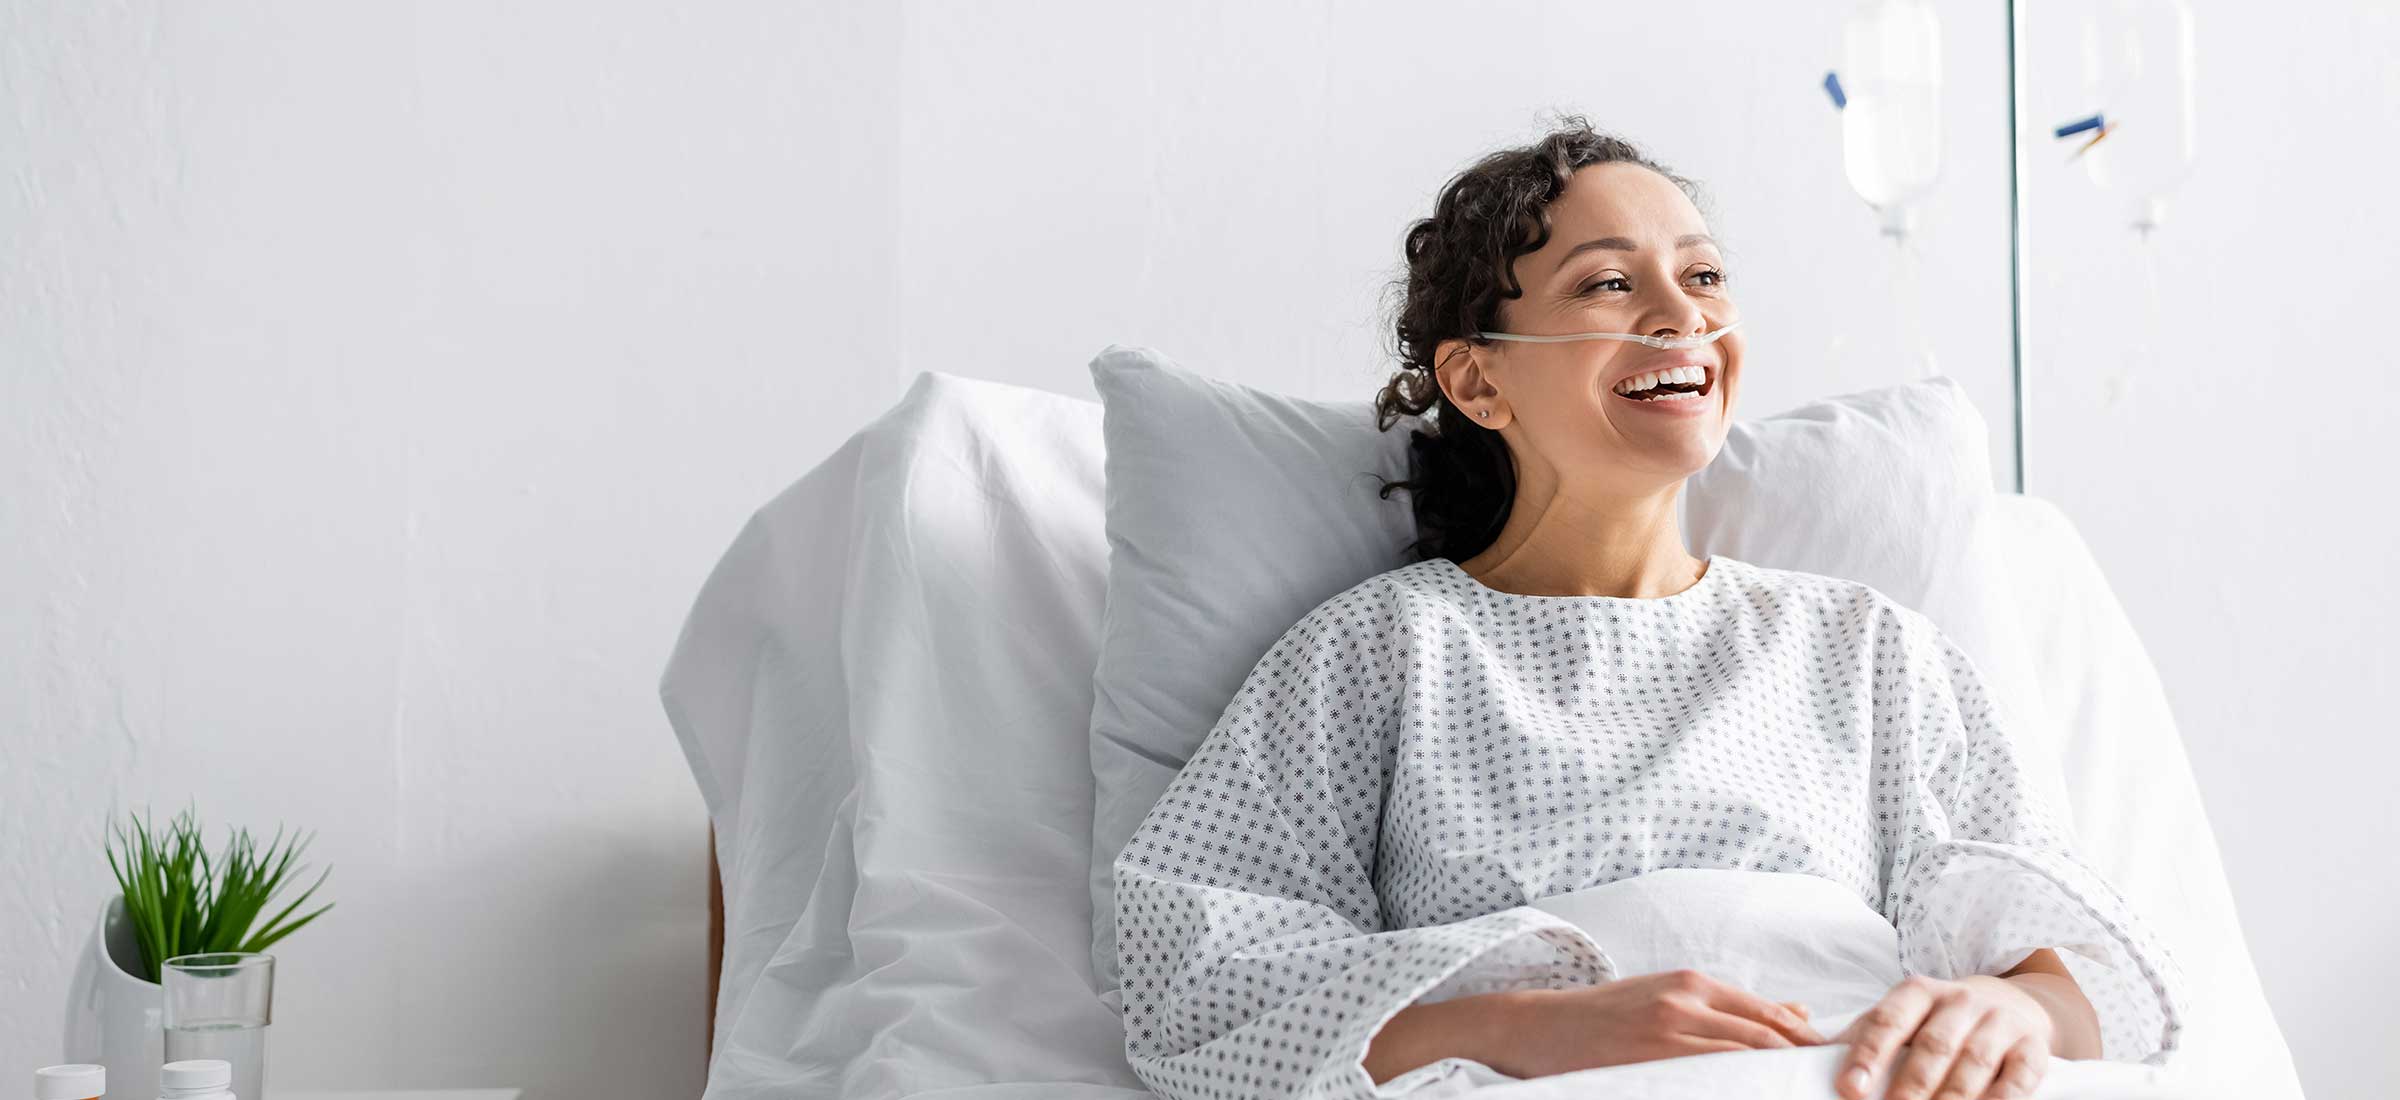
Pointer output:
x,y
1622,200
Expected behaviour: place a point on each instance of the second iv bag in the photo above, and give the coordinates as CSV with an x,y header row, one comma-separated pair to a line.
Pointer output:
x,y
2137,66
1892,123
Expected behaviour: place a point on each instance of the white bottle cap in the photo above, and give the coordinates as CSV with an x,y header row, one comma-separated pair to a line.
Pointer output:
x,y
75,1082
198,1073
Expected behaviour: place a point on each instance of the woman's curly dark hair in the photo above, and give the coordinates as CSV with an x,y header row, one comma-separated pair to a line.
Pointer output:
x,y
1461,260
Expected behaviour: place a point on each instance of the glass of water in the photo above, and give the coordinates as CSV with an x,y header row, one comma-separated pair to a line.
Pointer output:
x,y
218,1006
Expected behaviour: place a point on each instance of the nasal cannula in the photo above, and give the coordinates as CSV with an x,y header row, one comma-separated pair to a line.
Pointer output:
x,y
1650,341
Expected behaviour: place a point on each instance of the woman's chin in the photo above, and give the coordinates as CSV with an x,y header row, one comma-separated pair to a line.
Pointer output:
x,y
1692,448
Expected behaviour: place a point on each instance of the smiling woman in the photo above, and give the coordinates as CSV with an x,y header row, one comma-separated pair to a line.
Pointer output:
x,y
1528,253
1336,896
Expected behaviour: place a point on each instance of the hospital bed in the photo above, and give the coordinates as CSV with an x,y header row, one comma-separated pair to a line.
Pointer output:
x,y
884,692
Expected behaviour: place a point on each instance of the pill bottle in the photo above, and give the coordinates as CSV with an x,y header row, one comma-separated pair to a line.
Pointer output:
x,y
75,1082
196,1079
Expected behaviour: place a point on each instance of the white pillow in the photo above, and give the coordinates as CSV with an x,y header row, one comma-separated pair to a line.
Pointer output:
x,y
1892,488
1234,511
884,691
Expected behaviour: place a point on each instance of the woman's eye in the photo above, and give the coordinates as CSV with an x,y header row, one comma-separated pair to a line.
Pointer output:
x,y
1619,281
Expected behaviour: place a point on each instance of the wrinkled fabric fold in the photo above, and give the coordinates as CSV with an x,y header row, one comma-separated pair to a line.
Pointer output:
x,y
1344,985
1255,954
1977,908
1985,875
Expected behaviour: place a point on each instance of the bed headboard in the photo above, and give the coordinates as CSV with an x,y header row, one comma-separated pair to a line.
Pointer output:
x,y
716,937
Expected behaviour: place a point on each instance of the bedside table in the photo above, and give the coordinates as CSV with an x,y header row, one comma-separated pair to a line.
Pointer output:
x,y
396,1094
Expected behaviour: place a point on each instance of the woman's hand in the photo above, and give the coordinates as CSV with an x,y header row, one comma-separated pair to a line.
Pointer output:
x,y
1638,1019
1976,1038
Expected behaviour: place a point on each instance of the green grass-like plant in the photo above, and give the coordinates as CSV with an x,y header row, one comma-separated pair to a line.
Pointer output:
x,y
182,902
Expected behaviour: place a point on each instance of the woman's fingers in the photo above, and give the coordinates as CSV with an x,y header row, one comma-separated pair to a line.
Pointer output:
x,y
1940,1042
1979,1059
1792,1026
2021,1071
1879,1031
1706,1021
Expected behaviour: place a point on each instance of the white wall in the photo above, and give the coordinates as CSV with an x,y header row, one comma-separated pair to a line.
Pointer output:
x,y
378,385
2237,514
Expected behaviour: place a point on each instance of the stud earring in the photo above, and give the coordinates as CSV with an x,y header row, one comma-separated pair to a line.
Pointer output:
x,y
1483,412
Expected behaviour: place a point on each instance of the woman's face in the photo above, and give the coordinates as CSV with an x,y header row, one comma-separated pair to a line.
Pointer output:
x,y
1628,252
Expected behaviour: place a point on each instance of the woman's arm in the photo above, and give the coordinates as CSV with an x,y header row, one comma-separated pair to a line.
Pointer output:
x,y
1984,878
1257,955
1423,1034
2075,1026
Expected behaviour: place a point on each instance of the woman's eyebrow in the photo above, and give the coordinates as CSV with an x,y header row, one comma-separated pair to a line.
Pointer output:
x,y
1621,244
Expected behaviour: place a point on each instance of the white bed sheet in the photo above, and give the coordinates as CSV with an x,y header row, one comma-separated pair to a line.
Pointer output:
x,y
884,692
1786,937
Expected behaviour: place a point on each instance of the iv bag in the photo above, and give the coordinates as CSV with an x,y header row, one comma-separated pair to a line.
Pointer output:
x,y
1892,123
2137,63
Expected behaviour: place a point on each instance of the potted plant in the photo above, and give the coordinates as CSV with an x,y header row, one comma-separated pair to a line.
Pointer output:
x,y
173,898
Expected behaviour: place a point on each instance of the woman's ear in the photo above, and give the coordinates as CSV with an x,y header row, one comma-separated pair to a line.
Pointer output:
x,y
1458,369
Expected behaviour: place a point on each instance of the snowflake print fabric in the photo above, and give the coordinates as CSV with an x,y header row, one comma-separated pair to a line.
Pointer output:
x,y
1422,755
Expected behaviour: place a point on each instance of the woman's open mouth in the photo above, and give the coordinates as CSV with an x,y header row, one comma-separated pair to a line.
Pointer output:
x,y
1676,389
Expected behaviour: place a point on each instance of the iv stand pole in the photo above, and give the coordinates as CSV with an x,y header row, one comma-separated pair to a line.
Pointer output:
x,y
2016,251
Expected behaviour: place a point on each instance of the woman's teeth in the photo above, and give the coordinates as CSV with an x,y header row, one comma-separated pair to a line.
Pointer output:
x,y
1683,383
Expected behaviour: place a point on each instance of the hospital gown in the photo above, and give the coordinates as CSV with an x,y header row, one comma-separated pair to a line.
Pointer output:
x,y
1421,755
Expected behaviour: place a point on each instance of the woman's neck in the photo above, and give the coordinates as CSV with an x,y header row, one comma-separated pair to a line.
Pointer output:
x,y
1557,544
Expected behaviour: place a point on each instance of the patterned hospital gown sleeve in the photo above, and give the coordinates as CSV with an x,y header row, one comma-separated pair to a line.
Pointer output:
x,y
1983,875
1256,958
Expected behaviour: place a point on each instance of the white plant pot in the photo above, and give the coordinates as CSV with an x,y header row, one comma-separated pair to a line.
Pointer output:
x,y
113,1017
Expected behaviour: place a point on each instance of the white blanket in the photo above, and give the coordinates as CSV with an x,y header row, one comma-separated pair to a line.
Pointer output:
x,y
1783,936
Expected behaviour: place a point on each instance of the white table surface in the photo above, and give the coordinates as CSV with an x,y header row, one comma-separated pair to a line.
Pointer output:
x,y
396,1094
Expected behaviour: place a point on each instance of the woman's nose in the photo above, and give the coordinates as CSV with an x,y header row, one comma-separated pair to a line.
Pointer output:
x,y
1681,306
1693,325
